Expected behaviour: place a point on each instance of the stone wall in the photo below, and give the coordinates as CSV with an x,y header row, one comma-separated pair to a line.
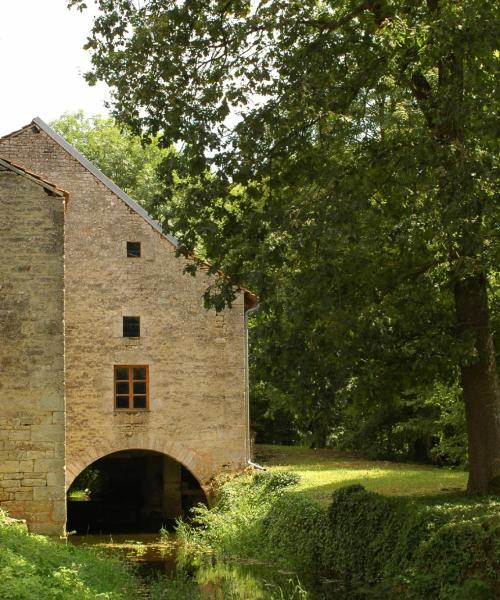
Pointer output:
x,y
198,410
31,353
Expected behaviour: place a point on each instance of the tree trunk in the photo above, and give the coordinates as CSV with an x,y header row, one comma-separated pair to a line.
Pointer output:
x,y
480,386
319,434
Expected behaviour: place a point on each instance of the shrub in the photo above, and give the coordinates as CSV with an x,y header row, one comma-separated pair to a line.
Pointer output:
x,y
393,548
32,566
364,527
460,561
233,526
270,482
366,545
296,531
372,536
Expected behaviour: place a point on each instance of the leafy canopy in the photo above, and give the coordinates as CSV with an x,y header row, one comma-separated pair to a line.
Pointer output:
x,y
350,104
341,161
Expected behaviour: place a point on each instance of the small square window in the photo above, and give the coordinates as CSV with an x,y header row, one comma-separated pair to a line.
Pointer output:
x,y
131,326
134,249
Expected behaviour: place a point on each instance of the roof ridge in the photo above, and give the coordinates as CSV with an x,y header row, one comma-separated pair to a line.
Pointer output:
x,y
101,177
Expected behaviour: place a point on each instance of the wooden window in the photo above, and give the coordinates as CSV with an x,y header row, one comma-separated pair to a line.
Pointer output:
x,y
134,249
131,326
131,387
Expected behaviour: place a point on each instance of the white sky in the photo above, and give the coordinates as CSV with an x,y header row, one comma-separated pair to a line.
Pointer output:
x,y
43,61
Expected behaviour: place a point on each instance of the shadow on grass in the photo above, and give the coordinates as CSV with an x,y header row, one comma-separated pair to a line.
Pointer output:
x,y
324,471
323,493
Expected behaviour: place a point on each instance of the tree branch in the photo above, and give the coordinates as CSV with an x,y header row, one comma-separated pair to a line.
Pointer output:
x,y
422,92
327,25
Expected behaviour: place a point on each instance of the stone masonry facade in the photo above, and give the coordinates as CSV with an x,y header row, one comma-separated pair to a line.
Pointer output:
x,y
198,399
31,351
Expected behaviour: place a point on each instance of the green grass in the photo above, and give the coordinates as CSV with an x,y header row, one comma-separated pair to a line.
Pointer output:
x,y
81,495
33,566
412,534
323,471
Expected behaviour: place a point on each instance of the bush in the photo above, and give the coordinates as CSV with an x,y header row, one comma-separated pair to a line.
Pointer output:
x,y
460,561
32,566
270,482
233,526
392,548
296,531
365,529
366,545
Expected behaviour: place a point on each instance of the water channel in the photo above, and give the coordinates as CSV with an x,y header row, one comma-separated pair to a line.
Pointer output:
x,y
156,556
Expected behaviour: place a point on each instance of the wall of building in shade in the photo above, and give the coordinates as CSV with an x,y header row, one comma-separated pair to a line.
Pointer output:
x,y
31,352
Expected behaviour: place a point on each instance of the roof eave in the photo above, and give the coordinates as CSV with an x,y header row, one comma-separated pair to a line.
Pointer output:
x,y
47,185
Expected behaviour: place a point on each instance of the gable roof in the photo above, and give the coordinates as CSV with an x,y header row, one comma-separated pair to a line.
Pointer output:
x,y
49,187
250,298
103,179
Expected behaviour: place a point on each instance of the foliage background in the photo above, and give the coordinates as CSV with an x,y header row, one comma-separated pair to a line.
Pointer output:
x,y
340,160
304,332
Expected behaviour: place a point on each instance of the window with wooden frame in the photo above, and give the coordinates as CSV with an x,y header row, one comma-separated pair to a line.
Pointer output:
x,y
131,387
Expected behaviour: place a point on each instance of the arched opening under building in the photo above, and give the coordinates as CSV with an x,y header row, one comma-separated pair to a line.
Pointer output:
x,y
132,491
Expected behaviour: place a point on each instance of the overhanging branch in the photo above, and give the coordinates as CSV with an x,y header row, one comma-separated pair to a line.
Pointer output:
x,y
328,25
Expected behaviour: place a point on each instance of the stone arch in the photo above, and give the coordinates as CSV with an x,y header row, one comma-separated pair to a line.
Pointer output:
x,y
185,456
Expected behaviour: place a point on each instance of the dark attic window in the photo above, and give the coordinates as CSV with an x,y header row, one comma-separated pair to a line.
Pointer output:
x,y
131,326
134,249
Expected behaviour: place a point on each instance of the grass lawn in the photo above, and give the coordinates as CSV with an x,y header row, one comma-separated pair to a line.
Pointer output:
x,y
323,471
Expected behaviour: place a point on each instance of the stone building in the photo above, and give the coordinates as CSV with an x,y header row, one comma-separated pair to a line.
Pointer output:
x,y
108,358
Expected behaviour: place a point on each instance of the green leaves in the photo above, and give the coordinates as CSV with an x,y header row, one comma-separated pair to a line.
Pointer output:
x,y
130,161
338,160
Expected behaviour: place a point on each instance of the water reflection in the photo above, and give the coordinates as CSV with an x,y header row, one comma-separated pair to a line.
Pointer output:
x,y
248,582
156,558
151,552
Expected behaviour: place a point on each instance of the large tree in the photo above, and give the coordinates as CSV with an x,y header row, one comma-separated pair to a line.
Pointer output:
x,y
352,143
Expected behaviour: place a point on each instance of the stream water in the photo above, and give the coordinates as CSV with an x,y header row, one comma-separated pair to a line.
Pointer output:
x,y
150,552
156,556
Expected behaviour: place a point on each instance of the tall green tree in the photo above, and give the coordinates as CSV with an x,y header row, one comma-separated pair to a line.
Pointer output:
x,y
351,144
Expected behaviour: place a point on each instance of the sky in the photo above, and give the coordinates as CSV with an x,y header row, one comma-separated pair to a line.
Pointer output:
x,y
43,61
